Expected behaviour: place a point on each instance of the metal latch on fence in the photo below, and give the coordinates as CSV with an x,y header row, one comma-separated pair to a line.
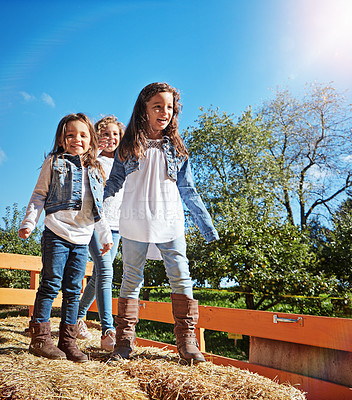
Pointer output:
x,y
277,319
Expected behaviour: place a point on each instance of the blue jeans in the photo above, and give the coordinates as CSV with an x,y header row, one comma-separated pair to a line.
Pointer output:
x,y
100,283
64,267
175,261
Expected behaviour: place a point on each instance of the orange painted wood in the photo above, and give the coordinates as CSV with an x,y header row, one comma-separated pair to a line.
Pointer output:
x,y
24,297
150,310
333,333
20,261
93,307
152,343
89,268
34,282
200,338
156,311
84,284
316,389
29,263
34,265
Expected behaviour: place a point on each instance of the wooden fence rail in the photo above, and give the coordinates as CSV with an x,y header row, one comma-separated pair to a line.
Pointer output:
x,y
312,352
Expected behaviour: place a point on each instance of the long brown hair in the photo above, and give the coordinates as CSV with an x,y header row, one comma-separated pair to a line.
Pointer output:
x,y
134,143
89,159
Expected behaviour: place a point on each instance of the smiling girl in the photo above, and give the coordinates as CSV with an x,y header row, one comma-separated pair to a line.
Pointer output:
x,y
152,163
70,189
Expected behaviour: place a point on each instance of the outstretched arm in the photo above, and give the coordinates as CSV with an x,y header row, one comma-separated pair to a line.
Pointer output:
x,y
116,178
194,203
37,201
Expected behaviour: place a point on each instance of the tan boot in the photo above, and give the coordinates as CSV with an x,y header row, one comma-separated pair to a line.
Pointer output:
x,y
126,319
41,343
185,312
67,343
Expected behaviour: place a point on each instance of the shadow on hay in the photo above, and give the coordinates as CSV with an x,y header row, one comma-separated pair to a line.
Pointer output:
x,y
13,350
15,330
146,355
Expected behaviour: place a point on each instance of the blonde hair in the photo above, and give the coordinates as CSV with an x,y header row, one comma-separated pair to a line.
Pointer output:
x,y
100,125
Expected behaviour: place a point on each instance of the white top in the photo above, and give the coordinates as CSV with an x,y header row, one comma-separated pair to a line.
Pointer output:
x,y
151,210
74,226
111,204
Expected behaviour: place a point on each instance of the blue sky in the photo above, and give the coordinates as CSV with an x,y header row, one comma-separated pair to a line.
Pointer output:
x,y
94,57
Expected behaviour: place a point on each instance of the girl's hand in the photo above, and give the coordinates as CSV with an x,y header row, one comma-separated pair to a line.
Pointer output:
x,y
106,247
24,233
103,142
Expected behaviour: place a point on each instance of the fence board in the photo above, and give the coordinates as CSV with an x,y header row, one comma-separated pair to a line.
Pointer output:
x,y
326,332
333,333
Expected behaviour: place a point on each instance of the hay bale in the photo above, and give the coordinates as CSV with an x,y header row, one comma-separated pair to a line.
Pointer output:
x,y
24,376
206,381
152,374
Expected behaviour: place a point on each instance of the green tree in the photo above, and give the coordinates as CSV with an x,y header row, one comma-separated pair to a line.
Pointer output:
x,y
231,159
311,147
240,177
268,259
337,250
11,243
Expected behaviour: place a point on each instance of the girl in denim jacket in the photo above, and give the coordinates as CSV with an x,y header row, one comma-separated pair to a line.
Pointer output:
x,y
70,189
152,163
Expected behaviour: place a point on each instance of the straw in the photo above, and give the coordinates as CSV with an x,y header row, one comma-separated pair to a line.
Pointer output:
x,y
152,373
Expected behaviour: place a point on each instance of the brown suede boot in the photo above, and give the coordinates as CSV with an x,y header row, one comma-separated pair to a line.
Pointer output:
x,y
41,343
185,312
126,319
67,343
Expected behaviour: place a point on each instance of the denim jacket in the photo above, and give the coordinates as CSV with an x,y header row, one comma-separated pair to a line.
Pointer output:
x,y
179,171
65,192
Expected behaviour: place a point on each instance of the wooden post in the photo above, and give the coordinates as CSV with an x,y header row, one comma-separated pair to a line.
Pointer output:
x,y
84,284
34,284
200,337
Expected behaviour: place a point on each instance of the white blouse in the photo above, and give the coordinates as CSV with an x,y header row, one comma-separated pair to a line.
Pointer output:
x,y
111,204
151,209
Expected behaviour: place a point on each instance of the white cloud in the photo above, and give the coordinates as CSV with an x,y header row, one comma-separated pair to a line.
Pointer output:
x,y
2,156
27,97
347,159
44,98
47,99
319,175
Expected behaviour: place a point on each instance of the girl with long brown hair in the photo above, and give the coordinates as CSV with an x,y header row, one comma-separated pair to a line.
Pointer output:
x,y
70,189
152,163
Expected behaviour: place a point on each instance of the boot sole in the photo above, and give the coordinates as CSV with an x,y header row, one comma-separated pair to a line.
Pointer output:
x,y
49,358
119,358
192,361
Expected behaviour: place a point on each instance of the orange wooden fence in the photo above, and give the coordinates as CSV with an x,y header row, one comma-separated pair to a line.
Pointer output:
x,y
314,353
33,264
